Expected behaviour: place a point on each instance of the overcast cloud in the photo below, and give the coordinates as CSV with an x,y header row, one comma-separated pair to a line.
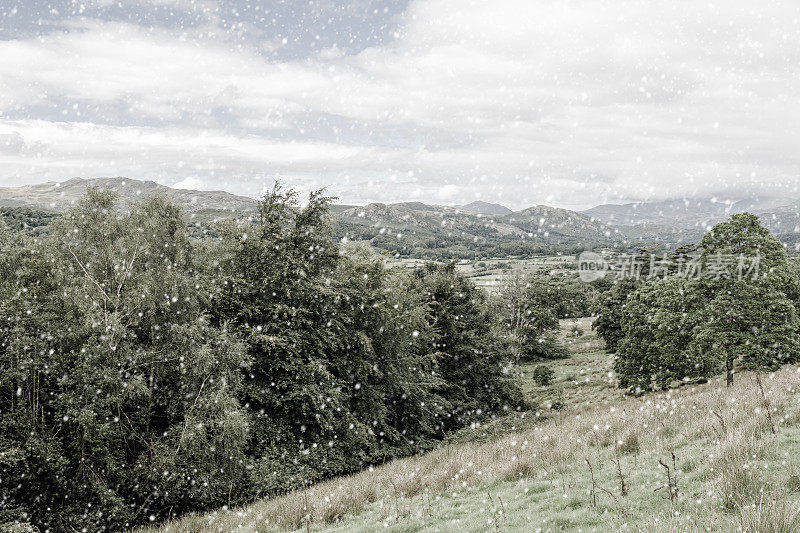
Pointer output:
x,y
569,103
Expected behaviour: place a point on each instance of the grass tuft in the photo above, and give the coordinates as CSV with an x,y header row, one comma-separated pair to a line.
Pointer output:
x,y
770,516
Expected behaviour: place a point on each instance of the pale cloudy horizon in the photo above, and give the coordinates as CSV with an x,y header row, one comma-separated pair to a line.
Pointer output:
x,y
570,103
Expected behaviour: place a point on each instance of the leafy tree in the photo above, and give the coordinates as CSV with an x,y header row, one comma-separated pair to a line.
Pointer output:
x,y
742,234
529,315
658,323
609,307
752,322
471,356
387,363
742,308
274,282
747,308
569,297
128,394
680,258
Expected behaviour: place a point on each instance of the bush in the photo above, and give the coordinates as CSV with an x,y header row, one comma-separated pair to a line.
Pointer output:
x,y
557,405
548,346
543,375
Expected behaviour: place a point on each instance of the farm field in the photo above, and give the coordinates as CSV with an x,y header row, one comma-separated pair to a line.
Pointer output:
x,y
490,274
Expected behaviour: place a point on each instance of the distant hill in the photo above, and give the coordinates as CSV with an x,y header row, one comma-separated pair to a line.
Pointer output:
x,y
59,196
688,219
484,208
440,232
684,212
414,229
542,219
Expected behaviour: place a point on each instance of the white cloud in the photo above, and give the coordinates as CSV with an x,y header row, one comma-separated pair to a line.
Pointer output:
x,y
32,151
522,102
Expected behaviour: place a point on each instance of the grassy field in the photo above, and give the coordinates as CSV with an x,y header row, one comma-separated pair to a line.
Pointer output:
x,y
696,458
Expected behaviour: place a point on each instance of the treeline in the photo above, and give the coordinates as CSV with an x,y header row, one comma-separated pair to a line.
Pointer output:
x,y
731,300
145,374
27,219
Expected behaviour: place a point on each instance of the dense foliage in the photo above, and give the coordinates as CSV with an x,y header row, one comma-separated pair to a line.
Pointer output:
x,y
668,329
608,307
144,374
27,219
657,323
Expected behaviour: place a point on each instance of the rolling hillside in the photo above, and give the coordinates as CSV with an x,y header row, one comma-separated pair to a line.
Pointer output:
x,y
414,229
696,458
476,230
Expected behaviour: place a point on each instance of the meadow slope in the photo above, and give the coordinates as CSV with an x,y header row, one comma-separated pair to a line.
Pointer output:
x,y
696,458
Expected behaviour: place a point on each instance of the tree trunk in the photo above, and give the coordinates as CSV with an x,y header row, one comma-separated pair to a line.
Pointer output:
x,y
729,366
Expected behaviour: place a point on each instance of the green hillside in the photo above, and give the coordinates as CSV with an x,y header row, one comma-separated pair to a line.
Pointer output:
x,y
418,230
562,466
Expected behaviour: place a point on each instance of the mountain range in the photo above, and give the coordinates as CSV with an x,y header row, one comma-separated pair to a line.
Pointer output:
x,y
692,217
478,229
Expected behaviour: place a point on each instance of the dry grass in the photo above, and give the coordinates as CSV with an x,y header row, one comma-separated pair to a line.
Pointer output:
x,y
729,425
770,516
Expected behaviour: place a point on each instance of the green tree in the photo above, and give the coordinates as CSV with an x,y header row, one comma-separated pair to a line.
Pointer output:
x,y
743,235
609,307
528,307
740,309
752,322
274,281
387,363
471,356
127,392
750,300
569,297
658,323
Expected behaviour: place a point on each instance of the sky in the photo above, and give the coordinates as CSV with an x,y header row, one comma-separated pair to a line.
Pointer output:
x,y
521,102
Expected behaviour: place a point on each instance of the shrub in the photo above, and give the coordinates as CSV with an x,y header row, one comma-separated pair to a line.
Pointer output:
x,y
543,375
548,346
